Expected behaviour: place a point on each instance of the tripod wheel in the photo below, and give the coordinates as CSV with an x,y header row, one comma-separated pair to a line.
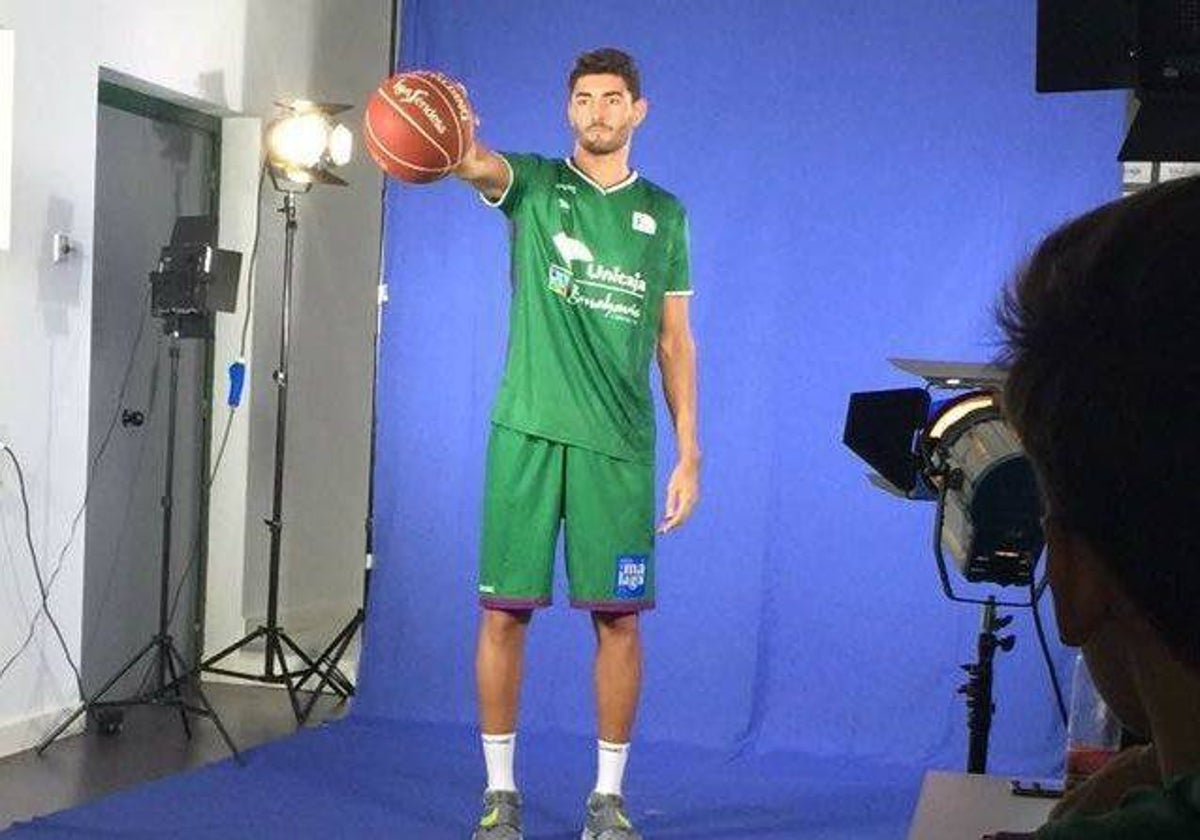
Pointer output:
x,y
107,722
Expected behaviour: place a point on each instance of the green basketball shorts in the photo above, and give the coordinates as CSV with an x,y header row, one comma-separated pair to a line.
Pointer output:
x,y
532,485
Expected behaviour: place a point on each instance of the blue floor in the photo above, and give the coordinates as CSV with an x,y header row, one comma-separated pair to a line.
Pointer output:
x,y
379,779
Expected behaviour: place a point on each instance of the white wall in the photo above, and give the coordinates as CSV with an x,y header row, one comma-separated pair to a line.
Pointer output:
x,y
230,57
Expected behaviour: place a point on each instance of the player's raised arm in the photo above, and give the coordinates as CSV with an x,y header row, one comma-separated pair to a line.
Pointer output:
x,y
485,170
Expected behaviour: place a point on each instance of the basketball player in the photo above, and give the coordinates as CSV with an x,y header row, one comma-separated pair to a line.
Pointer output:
x,y
599,284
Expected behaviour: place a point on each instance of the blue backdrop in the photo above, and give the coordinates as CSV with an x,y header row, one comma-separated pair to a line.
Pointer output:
x,y
861,176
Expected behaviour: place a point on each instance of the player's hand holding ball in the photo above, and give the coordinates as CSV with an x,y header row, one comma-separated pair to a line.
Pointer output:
x,y
419,125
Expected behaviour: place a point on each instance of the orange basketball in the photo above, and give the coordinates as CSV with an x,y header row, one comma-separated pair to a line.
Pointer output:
x,y
418,125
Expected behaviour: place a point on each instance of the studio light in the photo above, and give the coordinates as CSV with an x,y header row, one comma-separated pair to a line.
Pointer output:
x,y
957,450
947,443
304,144
194,279
988,508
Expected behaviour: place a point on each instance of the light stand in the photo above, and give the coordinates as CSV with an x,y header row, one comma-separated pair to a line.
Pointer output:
x,y
181,294
302,145
960,453
277,641
978,688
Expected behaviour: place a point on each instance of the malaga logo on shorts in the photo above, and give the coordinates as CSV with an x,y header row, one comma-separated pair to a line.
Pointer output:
x,y
631,576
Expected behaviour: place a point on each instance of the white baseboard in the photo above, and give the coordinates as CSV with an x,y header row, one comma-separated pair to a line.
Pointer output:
x,y
24,733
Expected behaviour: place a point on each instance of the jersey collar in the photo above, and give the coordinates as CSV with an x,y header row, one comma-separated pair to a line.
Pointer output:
x,y
620,185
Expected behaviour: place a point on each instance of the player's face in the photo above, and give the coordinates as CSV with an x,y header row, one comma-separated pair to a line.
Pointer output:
x,y
603,113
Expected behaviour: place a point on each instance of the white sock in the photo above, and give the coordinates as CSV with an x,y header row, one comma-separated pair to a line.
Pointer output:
x,y
610,770
498,753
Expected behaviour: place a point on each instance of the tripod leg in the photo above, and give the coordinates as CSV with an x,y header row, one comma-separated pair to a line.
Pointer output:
x,y
326,663
275,649
344,639
87,704
314,665
175,686
60,729
332,674
209,711
240,643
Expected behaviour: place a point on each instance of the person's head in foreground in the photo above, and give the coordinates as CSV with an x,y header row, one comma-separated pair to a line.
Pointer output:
x,y
1103,345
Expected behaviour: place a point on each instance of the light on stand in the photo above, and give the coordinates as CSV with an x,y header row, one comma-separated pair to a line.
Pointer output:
x,y
303,145
988,507
960,453
194,280
956,451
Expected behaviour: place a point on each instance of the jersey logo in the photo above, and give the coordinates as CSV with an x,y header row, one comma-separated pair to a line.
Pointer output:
x,y
644,223
567,187
631,576
559,280
572,249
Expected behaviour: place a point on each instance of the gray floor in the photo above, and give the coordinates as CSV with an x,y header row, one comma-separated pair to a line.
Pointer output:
x,y
151,745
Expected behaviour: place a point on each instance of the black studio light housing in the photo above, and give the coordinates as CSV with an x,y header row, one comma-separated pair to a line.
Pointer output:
x,y
194,278
1151,46
948,444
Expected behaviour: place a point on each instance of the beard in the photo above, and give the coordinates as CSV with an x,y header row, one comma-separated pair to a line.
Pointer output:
x,y
603,142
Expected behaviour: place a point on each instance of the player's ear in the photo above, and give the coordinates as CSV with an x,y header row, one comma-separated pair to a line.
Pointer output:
x,y
640,107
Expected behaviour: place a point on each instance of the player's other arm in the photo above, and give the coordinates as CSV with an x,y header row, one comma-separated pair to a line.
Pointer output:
x,y
677,362
485,170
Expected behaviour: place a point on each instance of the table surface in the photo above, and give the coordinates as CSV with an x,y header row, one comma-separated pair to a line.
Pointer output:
x,y
959,806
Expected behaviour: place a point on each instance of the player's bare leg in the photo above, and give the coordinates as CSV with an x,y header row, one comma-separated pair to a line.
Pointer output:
x,y
499,657
618,676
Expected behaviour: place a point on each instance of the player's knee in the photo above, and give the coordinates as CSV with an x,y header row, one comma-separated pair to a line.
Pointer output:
x,y
505,626
621,629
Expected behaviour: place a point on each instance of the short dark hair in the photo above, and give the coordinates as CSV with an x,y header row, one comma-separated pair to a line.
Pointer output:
x,y
607,60
1102,332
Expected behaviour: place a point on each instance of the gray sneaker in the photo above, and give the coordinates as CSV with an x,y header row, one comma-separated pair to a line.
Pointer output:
x,y
501,819
606,819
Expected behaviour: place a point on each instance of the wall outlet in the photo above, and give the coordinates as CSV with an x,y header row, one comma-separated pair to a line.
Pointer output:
x,y
61,247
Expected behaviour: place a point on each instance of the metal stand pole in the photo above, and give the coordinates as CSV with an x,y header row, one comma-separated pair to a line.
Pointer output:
x,y
978,689
276,638
167,659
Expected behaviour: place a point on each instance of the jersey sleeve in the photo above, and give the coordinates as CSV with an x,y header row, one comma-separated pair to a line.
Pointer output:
x,y
524,172
679,276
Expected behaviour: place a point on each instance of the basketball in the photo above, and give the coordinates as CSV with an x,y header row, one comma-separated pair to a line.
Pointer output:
x,y
418,125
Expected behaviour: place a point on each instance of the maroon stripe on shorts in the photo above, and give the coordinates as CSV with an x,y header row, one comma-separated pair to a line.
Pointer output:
x,y
494,603
613,606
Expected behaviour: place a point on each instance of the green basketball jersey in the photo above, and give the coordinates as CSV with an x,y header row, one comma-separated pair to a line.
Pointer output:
x,y
590,268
